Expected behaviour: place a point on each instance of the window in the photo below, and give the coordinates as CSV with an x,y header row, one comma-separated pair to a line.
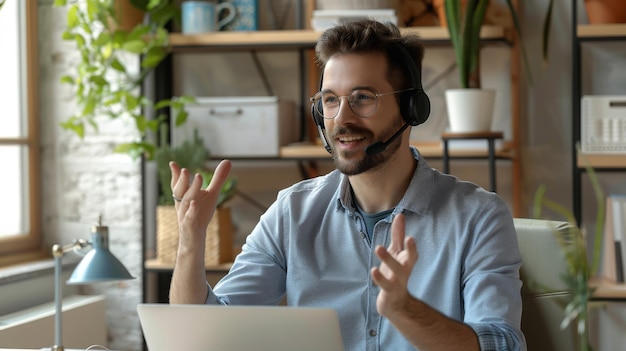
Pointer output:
x,y
19,143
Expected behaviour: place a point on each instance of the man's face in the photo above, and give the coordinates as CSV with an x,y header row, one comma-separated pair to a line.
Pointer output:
x,y
349,134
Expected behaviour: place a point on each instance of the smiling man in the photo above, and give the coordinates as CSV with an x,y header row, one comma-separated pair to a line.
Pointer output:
x,y
410,258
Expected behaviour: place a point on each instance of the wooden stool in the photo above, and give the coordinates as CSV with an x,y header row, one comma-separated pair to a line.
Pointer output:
x,y
491,156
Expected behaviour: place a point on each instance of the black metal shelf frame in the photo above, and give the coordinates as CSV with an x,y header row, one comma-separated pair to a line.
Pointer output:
x,y
578,171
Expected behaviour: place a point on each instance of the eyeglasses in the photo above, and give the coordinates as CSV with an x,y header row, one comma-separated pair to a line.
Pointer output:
x,y
362,101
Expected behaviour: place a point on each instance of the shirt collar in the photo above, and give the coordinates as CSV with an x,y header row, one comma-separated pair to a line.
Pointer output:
x,y
415,199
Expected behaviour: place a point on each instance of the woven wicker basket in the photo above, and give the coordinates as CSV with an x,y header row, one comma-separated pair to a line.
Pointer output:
x,y
219,236
356,4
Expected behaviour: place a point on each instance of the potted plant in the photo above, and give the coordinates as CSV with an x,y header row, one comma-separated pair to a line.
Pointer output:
x,y
581,269
470,108
191,154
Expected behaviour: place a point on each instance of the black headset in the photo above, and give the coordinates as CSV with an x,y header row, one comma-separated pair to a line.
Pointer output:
x,y
414,104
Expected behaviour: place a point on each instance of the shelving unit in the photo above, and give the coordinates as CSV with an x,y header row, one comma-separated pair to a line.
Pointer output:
x,y
306,40
585,33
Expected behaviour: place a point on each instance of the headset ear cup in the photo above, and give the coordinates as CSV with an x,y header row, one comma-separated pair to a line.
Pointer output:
x,y
415,107
420,105
406,107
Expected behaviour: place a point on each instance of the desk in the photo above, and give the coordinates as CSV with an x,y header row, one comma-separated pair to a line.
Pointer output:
x,y
491,155
163,272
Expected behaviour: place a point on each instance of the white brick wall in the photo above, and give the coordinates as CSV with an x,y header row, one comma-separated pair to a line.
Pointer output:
x,y
84,178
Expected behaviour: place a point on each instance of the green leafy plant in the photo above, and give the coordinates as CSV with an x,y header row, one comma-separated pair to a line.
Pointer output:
x,y
102,81
580,268
464,21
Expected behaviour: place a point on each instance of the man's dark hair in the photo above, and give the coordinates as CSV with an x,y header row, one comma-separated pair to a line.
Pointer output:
x,y
369,36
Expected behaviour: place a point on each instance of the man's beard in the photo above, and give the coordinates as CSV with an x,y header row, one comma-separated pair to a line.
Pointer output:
x,y
367,162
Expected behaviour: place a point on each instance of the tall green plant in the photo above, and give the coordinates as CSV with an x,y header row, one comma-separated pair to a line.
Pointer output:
x,y
580,269
464,23
547,23
103,83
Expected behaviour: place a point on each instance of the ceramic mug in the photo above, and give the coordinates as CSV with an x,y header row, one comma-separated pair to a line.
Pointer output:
x,y
203,16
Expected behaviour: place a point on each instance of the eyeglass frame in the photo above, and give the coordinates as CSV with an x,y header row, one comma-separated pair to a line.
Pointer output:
x,y
377,95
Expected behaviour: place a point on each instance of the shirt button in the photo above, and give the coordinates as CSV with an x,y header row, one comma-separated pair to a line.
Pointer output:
x,y
372,332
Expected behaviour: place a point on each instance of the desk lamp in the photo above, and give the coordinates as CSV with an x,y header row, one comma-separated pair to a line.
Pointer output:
x,y
99,265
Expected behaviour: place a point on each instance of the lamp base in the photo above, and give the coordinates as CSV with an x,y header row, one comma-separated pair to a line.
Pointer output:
x,y
57,348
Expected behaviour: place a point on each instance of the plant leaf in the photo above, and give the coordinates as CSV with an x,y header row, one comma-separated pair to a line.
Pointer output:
x,y
546,32
134,46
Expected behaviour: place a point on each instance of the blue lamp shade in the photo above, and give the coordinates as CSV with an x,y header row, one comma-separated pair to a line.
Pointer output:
x,y
99,265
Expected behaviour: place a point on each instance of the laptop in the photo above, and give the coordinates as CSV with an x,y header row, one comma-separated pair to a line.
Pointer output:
x,y
239,328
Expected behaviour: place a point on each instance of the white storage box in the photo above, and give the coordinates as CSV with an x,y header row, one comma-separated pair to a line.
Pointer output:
x,y
603,124
324,19
240,126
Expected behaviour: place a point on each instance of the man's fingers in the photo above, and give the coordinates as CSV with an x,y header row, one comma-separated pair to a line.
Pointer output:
x,y
181,185
175,170
387,258
411,248
219,176
397,234
379,279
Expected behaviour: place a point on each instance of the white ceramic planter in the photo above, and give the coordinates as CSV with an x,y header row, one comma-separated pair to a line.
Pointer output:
x,y
470,110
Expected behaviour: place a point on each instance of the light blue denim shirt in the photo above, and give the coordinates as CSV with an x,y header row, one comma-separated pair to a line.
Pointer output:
x,y
311,247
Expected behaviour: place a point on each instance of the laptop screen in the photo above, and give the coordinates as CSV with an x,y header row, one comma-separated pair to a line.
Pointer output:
x,y
239,328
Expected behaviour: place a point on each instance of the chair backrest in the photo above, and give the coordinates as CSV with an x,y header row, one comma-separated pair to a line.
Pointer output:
x,y
544,295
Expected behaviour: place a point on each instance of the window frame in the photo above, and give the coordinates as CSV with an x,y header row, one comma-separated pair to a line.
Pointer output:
x,y
28,246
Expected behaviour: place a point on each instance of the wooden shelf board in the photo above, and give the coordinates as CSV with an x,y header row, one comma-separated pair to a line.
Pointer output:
x,y
601,30
428,150
602,160
301,38
292,38
155,264
434,33
609,290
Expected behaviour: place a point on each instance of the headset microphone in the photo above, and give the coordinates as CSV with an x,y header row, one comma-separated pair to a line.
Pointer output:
x,y
380,146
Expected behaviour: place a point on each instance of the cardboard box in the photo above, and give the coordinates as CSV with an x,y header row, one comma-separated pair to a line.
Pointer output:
x,y
240,126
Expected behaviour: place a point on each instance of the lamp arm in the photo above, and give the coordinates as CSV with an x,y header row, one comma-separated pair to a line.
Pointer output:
x,y
58,251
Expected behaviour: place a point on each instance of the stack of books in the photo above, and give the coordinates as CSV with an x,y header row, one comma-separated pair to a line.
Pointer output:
x,y
614,244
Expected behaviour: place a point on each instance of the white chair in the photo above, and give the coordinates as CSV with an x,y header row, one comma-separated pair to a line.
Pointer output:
x,y
544,295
